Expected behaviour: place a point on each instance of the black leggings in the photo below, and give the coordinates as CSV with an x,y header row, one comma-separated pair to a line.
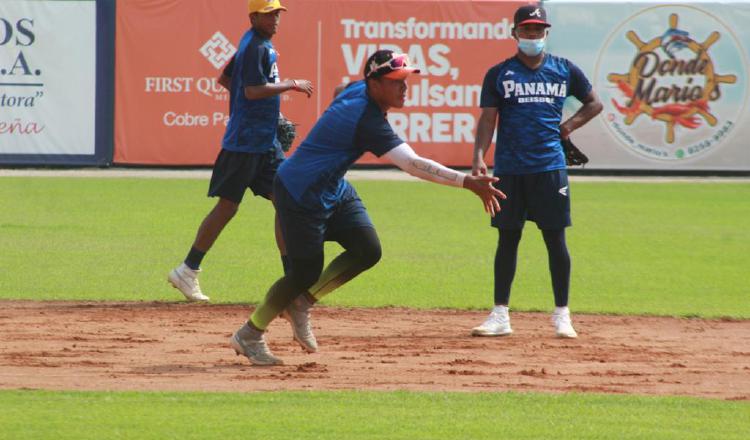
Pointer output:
x,y
507,255
362,251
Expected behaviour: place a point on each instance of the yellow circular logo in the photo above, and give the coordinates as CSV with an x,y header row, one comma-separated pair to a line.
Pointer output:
x,y
676,92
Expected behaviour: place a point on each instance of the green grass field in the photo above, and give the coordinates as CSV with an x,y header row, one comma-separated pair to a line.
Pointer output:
x,y
675,249
358,415
663,249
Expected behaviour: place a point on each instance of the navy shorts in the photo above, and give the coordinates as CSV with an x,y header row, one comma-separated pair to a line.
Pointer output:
x,y
305,230
543,198
234,172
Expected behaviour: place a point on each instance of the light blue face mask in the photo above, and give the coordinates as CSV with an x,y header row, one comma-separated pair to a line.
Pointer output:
x,y
531,48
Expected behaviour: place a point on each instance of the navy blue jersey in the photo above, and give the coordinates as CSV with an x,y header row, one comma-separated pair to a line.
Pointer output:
x,y
530,104
352,125
252,122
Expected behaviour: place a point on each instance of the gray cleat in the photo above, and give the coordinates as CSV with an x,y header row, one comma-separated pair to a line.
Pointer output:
x,y
252,344
298,315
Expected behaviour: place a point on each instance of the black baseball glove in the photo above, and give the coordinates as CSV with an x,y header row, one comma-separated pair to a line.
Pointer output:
x,y
286,131
573,156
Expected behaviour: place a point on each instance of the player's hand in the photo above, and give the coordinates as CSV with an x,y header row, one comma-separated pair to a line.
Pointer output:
x,y
482,187
303,86
565,131
478,167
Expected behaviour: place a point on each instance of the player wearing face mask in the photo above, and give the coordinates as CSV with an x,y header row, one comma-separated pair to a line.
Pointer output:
x,y
531,47
523,97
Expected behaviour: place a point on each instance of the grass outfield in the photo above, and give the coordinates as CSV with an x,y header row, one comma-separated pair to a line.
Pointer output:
x,y
359,415
638,248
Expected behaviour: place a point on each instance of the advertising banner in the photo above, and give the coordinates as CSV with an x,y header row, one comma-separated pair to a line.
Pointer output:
x,y
673,78
48,81
170,109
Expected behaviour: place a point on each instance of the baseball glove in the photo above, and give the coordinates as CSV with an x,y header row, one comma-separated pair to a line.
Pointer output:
x,y
573,156
286,131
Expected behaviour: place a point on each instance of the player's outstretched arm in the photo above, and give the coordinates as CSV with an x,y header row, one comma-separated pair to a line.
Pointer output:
x,y
272,89
408,160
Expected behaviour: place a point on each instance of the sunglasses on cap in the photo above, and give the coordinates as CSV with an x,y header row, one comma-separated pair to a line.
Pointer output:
x,y
398,67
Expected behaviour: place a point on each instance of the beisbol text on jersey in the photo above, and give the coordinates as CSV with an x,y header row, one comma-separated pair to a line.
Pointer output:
x,y
535,91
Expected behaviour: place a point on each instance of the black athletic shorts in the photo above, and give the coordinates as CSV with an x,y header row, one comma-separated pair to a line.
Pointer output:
x,y
305,230
235,172
543,198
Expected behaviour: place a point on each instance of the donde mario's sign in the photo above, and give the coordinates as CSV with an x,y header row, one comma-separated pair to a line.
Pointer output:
x,y
673,81
47,77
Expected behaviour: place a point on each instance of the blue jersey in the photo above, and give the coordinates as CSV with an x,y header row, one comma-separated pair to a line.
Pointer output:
x,y
530,104
352,125
252,122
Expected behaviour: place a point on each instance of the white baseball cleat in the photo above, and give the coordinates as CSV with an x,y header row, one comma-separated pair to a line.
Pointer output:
x,y
185,280
497,324
563,325
252,344
298,315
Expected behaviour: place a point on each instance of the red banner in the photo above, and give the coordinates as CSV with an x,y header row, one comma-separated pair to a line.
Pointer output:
x,y
171,111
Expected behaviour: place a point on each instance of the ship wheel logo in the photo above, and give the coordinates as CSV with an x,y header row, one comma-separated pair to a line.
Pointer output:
x,y
671,102
685,106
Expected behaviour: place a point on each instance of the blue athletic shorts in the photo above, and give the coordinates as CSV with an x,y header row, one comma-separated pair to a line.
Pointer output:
x,y
305,230
234,172
543,198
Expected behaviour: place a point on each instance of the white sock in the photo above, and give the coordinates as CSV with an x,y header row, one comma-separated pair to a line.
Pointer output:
x,y
500,309
562,311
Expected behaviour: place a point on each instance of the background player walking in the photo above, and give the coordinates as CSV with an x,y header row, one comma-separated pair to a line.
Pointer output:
x,y
315,203
250,153
527,92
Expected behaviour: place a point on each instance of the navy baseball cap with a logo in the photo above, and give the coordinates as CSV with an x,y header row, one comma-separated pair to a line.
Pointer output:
x,y
530,14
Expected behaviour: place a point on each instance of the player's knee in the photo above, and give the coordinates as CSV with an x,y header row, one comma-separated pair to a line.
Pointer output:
x,y
226,208
370,255
302,284
303,278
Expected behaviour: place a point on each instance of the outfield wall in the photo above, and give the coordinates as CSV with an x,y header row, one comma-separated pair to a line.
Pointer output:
x,y
56,71
171,111
672,76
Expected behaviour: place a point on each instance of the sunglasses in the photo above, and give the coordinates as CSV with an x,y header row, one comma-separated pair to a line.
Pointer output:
x,y
397,62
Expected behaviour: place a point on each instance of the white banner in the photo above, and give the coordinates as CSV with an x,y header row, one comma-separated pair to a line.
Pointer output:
x,y
47,77
673,78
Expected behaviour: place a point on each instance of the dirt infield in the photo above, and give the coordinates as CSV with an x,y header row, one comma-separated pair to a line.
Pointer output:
x,y
183,347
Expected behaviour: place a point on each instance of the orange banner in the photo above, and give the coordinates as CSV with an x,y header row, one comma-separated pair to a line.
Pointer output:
x,y
171,111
